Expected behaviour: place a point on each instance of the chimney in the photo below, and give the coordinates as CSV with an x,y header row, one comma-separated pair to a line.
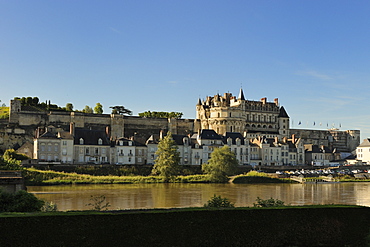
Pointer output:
x,y
285,139
293,138
72,128
107,131
276,100
264,100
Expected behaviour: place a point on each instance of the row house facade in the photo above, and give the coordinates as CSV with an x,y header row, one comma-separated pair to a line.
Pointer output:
x,y
86,146
319,155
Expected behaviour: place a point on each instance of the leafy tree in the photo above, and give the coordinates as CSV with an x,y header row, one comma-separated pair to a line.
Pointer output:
x,y
11,154
161,114
222,163
87,109
69,107
119,109
98,109
218,202
168,158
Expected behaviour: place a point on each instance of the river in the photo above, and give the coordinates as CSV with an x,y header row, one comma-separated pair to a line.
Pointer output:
x,y
140,196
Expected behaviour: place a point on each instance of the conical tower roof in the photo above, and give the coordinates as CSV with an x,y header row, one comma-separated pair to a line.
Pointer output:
x,y
241,94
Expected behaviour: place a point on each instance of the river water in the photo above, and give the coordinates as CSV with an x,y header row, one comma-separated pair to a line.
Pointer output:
x,y
140,196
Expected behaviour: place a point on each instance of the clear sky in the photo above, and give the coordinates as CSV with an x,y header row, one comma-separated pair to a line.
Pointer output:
x,y
162,55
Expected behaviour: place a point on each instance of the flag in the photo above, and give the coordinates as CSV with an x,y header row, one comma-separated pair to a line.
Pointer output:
x,y
320,124
299,123
340,125
314,123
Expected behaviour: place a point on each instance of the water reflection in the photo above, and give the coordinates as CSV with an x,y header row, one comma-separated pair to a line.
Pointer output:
x,y
135,196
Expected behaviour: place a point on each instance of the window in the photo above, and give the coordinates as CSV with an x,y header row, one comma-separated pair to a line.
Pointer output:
x,y
64,143
81,141
64,151
56,148
42,147
100,141
87,151
96,151
130,143
140,152
49,147
103,150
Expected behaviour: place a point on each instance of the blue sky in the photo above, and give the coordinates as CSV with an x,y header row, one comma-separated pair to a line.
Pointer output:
x,y
163,55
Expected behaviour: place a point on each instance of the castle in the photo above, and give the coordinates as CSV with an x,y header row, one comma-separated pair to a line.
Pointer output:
x,y
223,114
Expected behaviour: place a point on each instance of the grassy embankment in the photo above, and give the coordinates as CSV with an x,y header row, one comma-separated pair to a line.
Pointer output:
x,y
39,177
288,226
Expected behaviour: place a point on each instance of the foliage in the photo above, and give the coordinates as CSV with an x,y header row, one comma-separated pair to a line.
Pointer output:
x,y
98,109
98,203
10,164
218,202
260,203
11,154
161,114
87,109
69,107
256,174
4,112
21,201
49,207
119,109
222,163
168,158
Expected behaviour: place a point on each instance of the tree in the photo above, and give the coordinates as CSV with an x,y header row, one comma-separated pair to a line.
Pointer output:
x,y
87,109
168,158
161,114
69,107
98,109
11,154
222,163
119,109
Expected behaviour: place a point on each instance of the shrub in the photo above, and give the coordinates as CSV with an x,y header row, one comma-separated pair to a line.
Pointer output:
x,y
21,201
268,203
98,203
49,207
218,202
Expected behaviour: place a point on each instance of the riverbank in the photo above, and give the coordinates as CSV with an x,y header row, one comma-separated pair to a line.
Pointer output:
x,y
288,226
46,177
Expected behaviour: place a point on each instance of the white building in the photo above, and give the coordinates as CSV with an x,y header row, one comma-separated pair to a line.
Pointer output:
x,y
363,151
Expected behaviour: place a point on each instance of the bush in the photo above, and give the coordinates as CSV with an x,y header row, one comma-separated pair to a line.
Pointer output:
x,y
268,203
21,201
218,202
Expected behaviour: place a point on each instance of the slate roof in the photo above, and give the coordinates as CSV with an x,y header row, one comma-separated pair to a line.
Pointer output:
x,y
317,149
283,112
207,134
241,94
90,137
126,142
233,136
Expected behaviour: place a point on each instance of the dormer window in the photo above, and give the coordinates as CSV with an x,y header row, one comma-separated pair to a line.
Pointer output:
x,y
130,143
81,141
100,141
121,143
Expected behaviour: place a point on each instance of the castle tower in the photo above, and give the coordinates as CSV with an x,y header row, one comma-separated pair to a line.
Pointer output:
x,y
283,120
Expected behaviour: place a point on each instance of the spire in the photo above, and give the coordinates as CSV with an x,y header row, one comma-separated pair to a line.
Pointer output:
x,y
199,102
241,94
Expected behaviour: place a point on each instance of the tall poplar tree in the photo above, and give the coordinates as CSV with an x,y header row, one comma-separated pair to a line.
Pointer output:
x,y
168,158
222,163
